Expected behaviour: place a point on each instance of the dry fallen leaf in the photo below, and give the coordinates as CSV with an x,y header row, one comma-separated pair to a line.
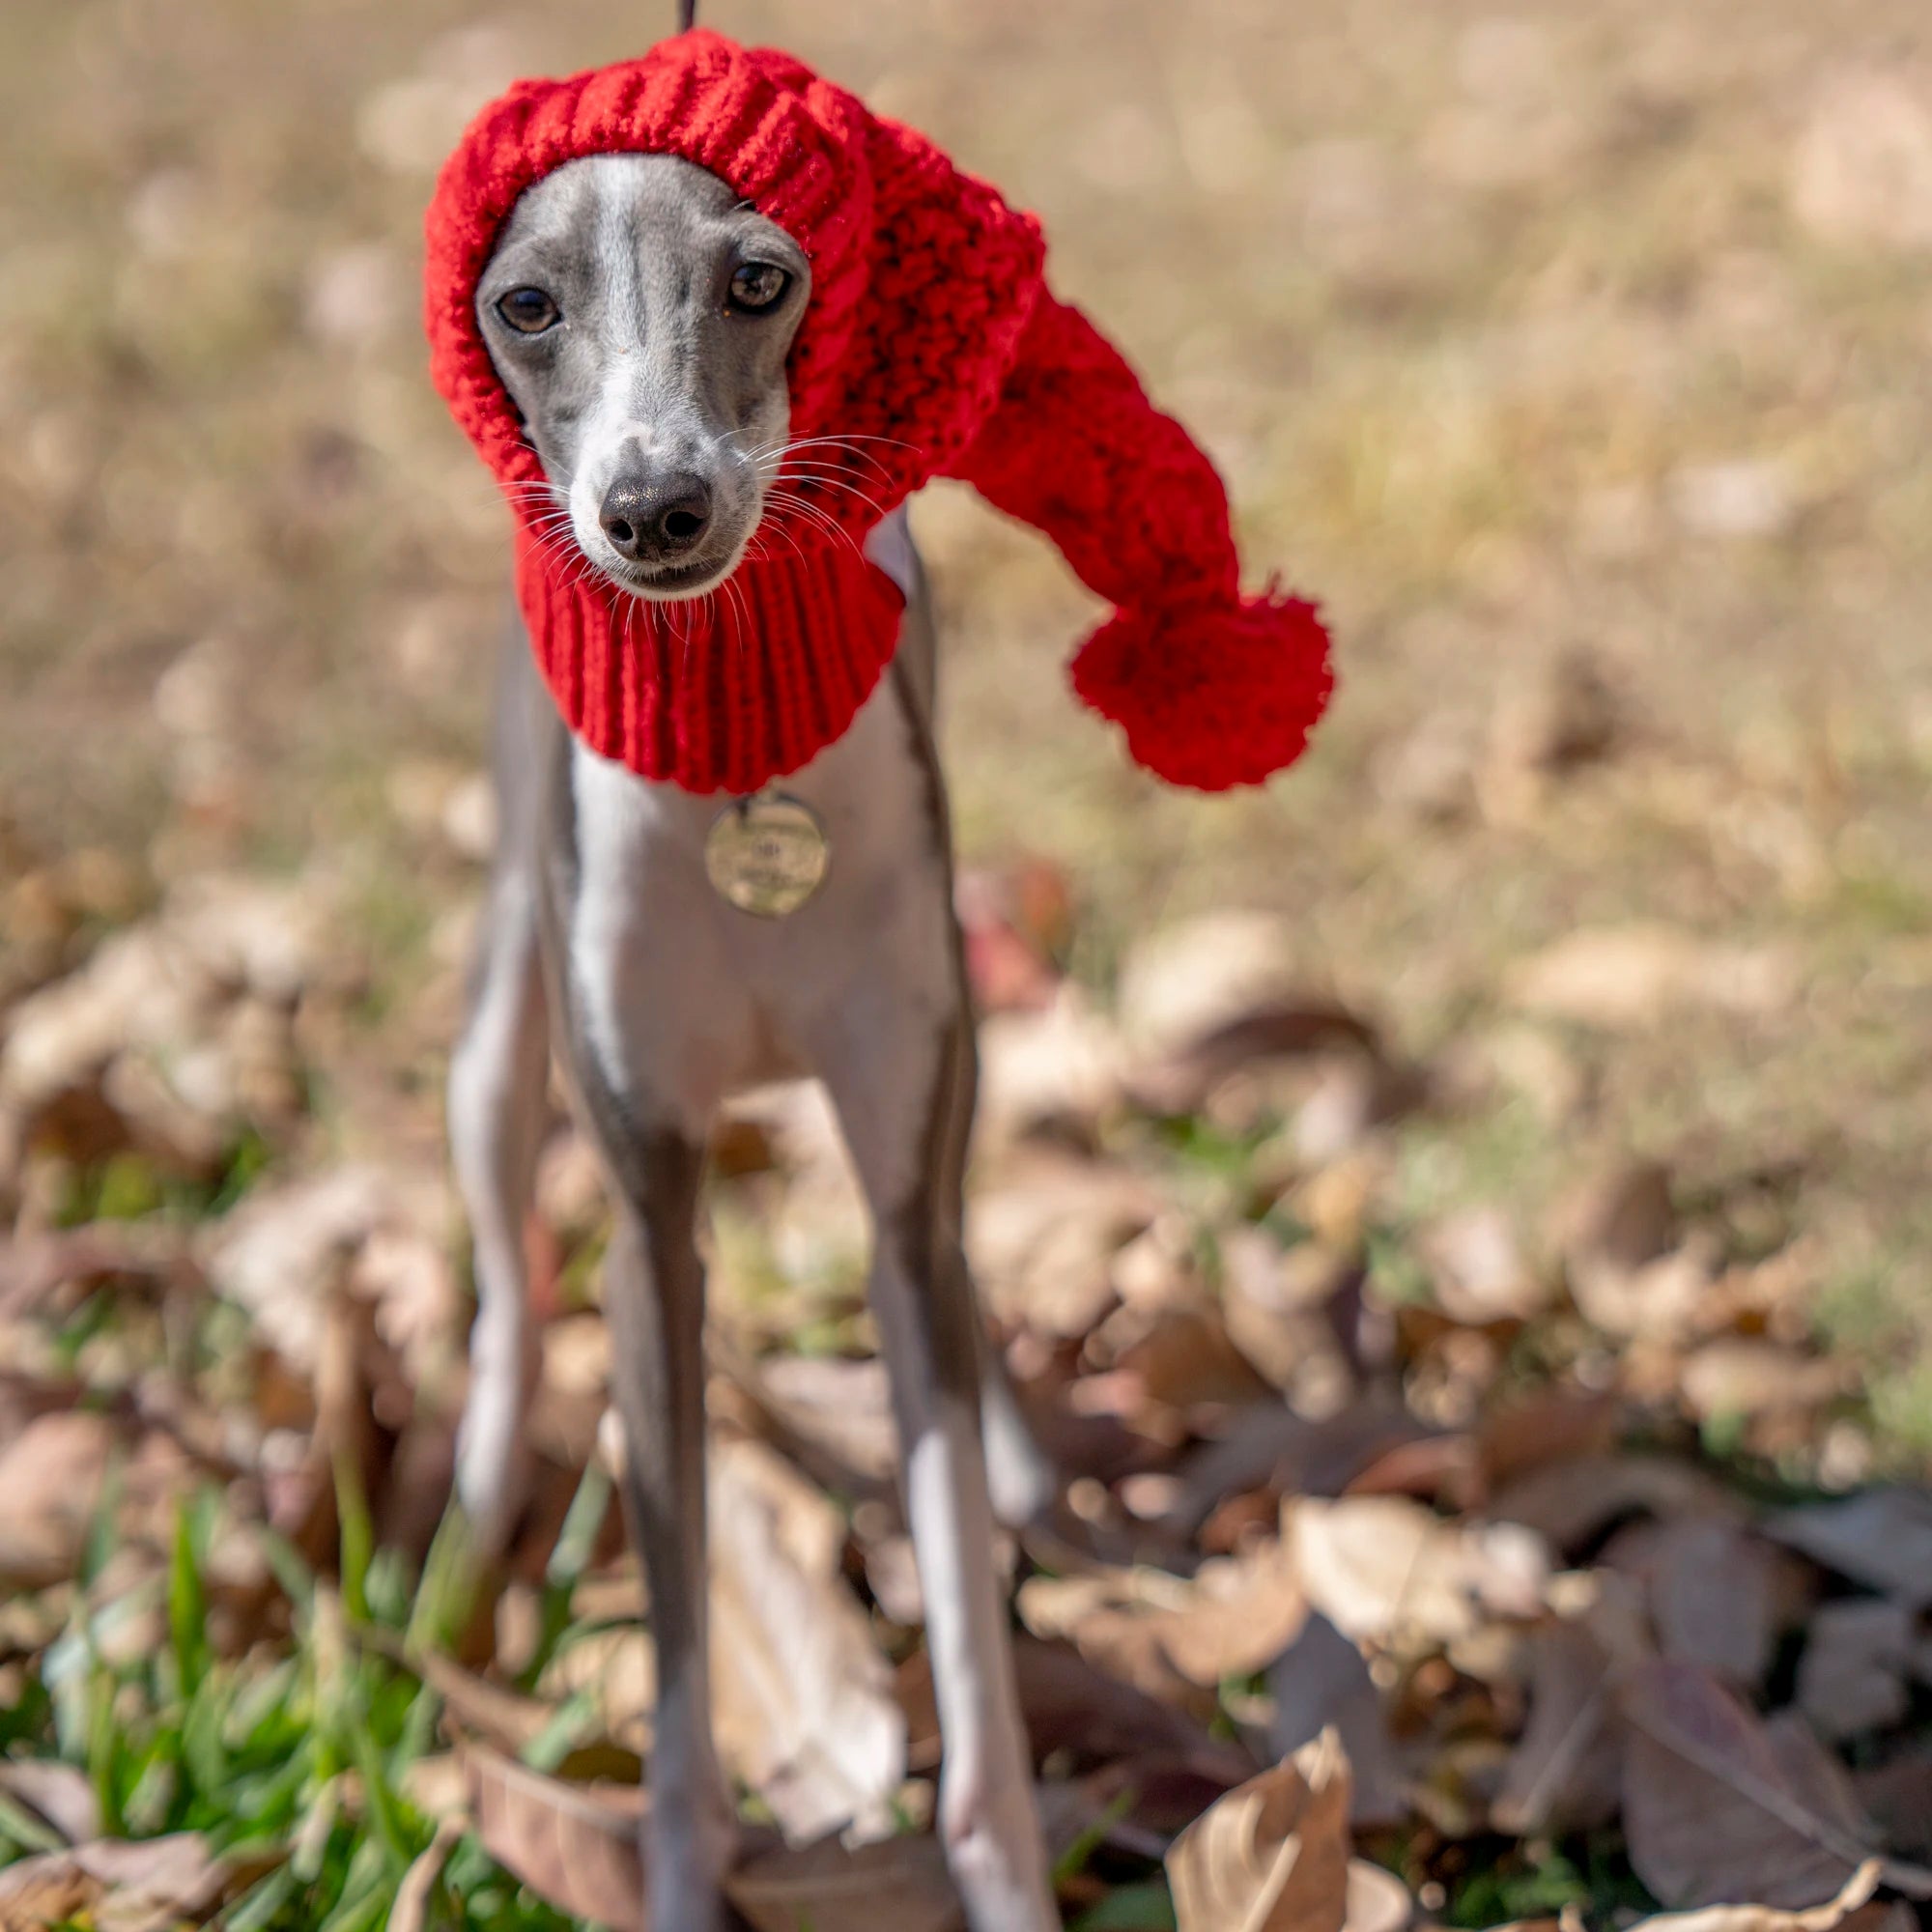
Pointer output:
x,y
1610,1232
1714,1598
1069,1707
271,937
1897,1796
830,1415
1623,977
1055,1069
1243,1611
1882,1539
1378,1900
1353,1094
1378,1565
138,993
1274,1301
173,1030
416,1896
507,1718
1826,1918
50,1479
1542,1429
1235,1615
576,1845
1571,1503
1563,1774
60,1795
287,1246
1562,713
1478,1272
1751,1374
1219,1069
1268,1445
1197,976
803,1696
116,1885
1860,169
1110,1620
1272,1856
1186,1360
1041,1234
1658,1304
897,1885
614,1670
1851,1676
1201,999
1321,1680
32,1266
1710,1811
1817,1775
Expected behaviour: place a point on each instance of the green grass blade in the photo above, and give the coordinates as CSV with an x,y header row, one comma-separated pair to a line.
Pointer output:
x,y
260,1905
357,1537
1074,1859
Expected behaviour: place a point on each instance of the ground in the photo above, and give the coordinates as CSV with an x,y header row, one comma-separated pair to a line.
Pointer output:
x,y
1574,357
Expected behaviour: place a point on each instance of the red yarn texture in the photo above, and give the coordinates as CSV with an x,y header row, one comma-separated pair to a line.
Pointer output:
x,y
931,346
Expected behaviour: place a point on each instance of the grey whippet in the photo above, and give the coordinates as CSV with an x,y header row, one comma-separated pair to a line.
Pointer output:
x,y
661,424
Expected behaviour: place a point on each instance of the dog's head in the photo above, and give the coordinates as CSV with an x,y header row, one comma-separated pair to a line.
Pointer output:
x,y
639,315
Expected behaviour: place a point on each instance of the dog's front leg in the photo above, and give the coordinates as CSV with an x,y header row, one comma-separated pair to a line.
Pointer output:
x,y
498,1080
496,1124
654,1301
649,1014
902,1082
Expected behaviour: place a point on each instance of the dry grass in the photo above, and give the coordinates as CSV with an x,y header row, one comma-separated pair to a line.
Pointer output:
x,y
1523,339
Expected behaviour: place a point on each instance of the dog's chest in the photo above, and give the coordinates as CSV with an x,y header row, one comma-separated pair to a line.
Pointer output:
x,y
718,998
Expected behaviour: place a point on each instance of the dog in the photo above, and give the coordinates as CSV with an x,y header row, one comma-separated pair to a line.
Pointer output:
x,y
662,424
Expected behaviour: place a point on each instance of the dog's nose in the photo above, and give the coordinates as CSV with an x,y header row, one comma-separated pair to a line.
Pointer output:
x,y
650,520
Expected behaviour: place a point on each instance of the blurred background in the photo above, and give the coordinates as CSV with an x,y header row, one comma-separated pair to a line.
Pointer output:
x,y
1577,356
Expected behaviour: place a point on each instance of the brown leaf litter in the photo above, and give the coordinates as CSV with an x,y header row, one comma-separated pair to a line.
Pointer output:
x,y
1405,1502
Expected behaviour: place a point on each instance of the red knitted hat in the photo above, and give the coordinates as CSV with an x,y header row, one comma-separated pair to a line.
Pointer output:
x,y
929,346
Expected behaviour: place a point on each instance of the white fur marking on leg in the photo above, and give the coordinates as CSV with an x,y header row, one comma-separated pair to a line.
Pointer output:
x,y
495,1117
985,1804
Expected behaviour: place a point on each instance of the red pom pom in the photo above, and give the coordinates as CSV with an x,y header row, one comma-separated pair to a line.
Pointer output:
x,y
1211,697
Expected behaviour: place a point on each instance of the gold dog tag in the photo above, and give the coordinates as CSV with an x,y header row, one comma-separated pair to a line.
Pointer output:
x,y
767,854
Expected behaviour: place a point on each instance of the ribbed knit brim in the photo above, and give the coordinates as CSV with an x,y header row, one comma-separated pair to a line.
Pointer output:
x,y
724,692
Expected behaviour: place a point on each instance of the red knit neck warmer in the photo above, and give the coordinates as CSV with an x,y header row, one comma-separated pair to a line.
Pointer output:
x,y
932,348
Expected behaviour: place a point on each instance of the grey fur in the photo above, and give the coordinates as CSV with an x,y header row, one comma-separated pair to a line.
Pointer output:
x,y
652,376
603,936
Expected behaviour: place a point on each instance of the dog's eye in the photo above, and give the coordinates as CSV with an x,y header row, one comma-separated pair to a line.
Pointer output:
x,y
529,311
759,286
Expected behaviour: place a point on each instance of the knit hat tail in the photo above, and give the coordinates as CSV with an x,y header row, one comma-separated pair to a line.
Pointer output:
x,y
1214,695
1213,690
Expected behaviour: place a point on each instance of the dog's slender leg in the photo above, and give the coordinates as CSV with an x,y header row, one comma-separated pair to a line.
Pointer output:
x,y
902,1082
654,1293
498,1077
650,1022
495,1123
1018,1476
